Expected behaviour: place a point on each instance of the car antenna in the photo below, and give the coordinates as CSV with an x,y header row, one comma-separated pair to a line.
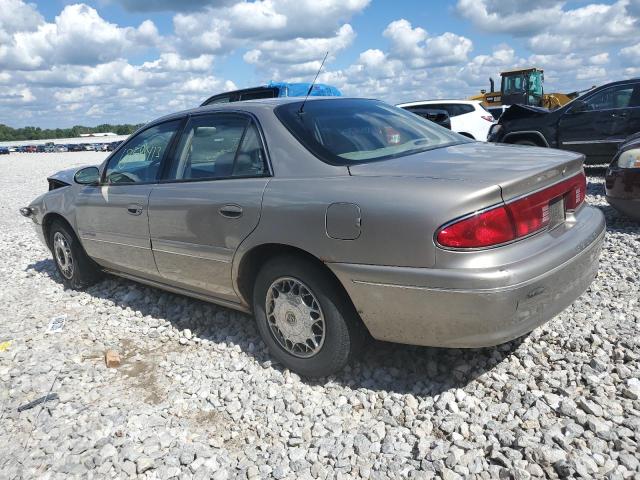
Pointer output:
x,y
312,84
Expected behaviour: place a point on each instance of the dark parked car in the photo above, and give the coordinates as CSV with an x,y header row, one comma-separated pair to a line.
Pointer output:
x,y
4,151
622,181
75,147
274,90
594,123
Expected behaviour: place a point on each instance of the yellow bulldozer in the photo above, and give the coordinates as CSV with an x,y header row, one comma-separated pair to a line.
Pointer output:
x,y
524,87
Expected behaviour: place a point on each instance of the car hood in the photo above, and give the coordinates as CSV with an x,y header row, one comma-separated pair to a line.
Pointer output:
x,y
515,112
516,169
67,175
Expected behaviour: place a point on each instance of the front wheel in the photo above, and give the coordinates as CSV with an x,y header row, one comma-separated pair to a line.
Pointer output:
x,y
306,320
74,265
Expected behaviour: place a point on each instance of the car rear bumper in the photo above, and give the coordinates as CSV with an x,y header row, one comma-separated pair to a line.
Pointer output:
x,y
466,308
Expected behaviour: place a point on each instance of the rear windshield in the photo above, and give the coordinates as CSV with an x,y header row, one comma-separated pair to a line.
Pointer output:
x,y
348,131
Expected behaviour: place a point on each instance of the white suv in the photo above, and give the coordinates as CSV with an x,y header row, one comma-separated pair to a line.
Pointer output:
x,y
468,117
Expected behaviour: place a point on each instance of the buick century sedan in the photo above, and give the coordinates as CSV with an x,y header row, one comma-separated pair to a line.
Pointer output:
x,y
330,218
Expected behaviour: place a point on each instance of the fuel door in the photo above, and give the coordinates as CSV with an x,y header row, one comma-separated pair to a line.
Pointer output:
x,y
342,221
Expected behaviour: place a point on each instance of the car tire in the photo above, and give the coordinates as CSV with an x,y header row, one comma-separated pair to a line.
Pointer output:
x,y
529,143
75,267
283,297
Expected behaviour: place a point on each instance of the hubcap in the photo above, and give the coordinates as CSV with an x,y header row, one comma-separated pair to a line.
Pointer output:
x,y
295,317
63,255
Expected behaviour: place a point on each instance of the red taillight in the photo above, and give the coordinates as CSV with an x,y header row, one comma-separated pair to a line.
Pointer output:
x,y
578,191
488,118
513,220
483,229
530,213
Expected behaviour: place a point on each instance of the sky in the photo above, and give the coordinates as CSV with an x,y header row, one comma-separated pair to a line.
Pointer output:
x,y
64,63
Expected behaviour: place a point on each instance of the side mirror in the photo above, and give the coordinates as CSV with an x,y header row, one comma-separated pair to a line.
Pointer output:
x,y
87,176
579,106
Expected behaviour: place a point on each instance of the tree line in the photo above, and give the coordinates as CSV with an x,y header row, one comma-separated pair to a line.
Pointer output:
x,y
36,133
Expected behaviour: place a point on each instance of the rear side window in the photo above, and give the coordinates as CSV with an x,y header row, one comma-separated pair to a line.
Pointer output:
x,y
219,146
454,109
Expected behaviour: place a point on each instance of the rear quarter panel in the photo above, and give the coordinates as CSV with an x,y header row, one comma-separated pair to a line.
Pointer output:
x,y
399,216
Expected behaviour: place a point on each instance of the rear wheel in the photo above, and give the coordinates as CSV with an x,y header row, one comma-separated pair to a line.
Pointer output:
x,y
74,265
306,320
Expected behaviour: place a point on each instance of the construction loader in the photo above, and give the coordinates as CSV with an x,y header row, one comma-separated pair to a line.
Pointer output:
x,y
524,87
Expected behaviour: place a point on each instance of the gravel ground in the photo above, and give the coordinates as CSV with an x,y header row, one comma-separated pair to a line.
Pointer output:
x,y
197,395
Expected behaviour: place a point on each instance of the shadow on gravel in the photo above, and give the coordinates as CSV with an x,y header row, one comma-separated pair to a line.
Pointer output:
x,y
422,371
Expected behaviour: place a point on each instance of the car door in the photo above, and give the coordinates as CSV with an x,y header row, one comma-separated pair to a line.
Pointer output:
x,y
209,202
597,124
112,218
633,112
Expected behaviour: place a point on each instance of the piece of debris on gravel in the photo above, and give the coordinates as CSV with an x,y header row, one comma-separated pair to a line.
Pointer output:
x,y
198,396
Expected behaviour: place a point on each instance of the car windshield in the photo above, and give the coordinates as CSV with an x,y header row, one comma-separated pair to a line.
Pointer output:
x,y
350,131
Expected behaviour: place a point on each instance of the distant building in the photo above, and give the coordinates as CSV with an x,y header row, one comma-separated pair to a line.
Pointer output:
x,y
99,134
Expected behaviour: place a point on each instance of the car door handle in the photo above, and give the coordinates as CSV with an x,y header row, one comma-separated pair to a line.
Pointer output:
x,y
134,209
231,211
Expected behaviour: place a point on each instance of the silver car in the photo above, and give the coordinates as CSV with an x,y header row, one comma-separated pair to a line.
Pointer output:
x,y
331,218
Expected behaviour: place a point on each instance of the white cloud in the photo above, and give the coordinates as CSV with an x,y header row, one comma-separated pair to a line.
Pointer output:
x,y
592,72
172,62
16,16
509,16
599,59
219,30
419,50
631,53
78,36
168,5
552,28
299,56
16,95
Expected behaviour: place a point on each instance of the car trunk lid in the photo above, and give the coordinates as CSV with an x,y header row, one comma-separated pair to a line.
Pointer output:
x,y
517,170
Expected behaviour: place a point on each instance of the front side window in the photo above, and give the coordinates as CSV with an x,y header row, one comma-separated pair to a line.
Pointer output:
x,y
140,159
219,146
347,131
610,98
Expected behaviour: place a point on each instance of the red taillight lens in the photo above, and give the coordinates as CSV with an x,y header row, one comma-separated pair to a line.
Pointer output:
x,y
484,229
489,118
530,213
576,195
515,219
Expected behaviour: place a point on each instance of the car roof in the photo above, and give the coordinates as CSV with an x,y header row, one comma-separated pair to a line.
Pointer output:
x,y
250,105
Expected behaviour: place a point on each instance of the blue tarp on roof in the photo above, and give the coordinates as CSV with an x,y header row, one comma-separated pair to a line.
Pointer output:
x,y
301,89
